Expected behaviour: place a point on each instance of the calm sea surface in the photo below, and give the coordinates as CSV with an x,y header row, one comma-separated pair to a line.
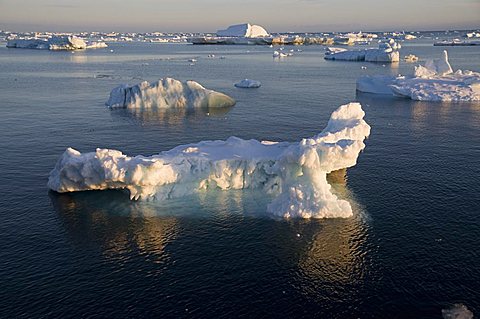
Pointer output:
x,y
410,251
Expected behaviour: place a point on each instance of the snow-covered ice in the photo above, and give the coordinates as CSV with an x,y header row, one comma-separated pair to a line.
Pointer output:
x,y
386,52
245,30
53,43
247,83
435,81
96,45
295,173
167,93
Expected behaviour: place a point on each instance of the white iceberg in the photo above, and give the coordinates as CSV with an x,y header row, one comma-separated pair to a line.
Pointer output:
x,y
96,45
296,173
247,83
245,30
278,54
53,43
167,93
435,81
386,52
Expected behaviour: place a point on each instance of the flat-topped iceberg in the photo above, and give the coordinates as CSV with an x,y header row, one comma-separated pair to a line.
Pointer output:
x,y
435,81
247,84
294,173
53,43
167,93
245,30
386,52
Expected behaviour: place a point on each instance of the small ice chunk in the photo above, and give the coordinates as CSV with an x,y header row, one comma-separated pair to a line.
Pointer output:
x,y
247,83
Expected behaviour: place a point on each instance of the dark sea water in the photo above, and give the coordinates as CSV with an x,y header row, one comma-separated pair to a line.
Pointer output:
x,y
410,250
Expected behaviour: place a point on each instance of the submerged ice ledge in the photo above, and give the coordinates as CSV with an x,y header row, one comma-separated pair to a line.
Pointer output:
x,y
293,172
167,93
435,81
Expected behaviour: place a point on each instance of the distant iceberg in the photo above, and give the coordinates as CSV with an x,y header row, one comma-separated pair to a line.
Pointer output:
x,y
247,83
96,45
435,81
386,52
295,173
167,93
54,43
245,30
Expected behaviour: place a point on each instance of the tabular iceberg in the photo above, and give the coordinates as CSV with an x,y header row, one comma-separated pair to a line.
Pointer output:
x,y
294,172
386,52
53,43
435,81
167,93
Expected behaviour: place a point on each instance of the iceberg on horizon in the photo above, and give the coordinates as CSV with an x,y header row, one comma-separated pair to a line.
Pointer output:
x,y
245,30
166,93
386,52
294,173
54,43
435,81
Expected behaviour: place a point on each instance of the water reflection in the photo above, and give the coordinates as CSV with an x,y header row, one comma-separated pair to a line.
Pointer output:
x,y
168,116
336,253
325,253
423,115
108,219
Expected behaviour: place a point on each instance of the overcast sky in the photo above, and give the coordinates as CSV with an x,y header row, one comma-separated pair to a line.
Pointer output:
x,y
210,15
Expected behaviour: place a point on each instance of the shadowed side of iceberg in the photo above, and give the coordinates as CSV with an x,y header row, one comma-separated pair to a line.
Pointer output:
x,y
293,172
167,93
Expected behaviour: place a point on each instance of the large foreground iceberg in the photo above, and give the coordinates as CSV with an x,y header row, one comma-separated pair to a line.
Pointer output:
x,y
435,81
167,93
295,173
386,52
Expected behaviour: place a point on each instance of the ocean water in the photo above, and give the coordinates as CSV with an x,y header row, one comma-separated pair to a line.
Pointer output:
x,y
410,250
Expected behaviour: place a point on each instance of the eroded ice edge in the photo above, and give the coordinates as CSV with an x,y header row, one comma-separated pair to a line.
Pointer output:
x,y
435,81
294,173
167,93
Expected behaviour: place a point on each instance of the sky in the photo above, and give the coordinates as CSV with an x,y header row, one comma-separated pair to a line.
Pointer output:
x,y
211,15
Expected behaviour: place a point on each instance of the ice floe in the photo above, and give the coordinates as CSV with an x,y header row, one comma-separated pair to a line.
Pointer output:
x,y
435,81
295,174
457,311
411,58
386,52
247,83
166,93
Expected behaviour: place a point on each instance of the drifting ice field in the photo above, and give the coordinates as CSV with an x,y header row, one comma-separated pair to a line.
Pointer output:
x,y
409,249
